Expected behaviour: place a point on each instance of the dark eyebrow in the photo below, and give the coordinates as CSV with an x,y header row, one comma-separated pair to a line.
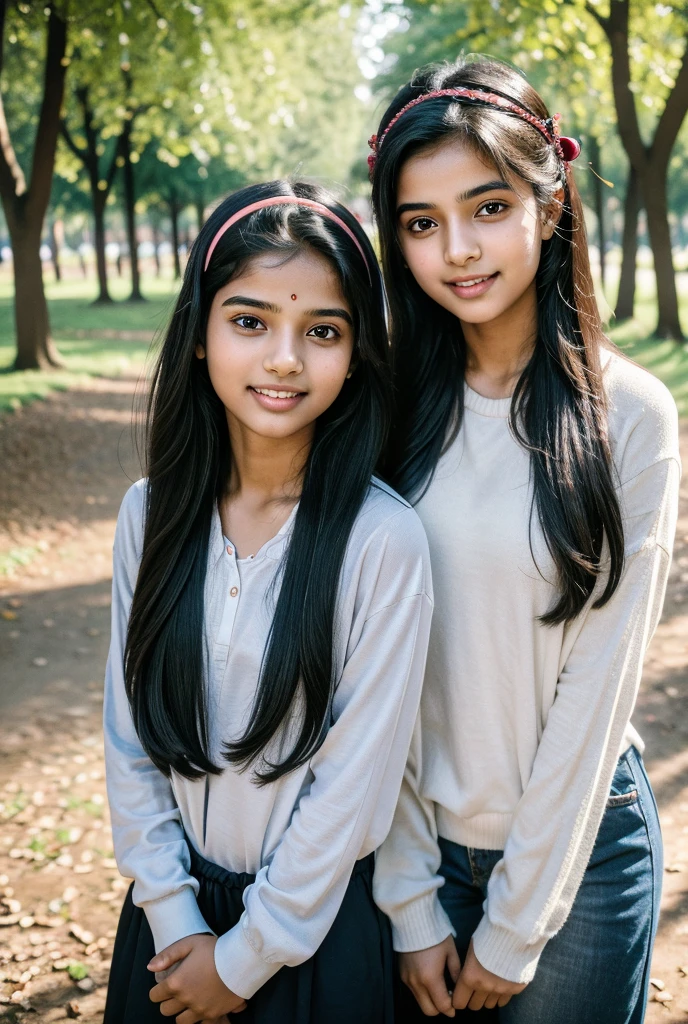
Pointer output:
x,y
489,186
341,313
462,197
243,300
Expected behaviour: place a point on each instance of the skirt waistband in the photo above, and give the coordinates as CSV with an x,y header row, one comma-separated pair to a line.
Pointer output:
x,y
205,869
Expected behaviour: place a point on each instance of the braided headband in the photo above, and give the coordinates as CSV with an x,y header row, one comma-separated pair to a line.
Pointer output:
x,y
567,149
286,201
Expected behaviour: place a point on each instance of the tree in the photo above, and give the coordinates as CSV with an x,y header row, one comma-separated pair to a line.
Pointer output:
x,y
25,204
100,180
649,161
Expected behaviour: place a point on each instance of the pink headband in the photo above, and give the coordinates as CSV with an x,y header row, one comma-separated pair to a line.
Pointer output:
x,y
567,149
286,201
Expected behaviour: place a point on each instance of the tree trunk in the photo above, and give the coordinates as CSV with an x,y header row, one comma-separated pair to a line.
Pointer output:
x,y
174,218
654,193
598,188
54,250
130,214
625,301
35,347
99,242
25,208
155,231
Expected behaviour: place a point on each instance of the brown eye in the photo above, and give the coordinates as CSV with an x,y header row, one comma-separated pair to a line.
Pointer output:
x,y
248,322
493,207
421,224
325,332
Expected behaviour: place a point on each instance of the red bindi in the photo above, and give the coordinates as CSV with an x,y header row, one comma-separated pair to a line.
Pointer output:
x,y
294,298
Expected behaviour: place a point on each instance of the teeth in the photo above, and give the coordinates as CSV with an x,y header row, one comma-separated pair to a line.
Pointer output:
x,y
467,284
277,394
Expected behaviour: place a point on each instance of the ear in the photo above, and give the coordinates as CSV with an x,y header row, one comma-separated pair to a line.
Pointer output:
x,y
199,351
551,214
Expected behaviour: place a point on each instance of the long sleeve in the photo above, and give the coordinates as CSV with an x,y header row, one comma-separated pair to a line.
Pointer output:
x,y
407,864
148,838
533,887
356,776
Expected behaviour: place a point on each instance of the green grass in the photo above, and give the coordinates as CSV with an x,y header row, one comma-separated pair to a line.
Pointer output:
x,y
84,336
665,359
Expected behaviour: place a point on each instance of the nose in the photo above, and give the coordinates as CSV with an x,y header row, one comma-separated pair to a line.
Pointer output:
x,y
283,358
461,243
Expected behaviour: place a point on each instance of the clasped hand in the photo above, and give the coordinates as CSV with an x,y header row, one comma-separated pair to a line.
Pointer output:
x,y
475,987
188,985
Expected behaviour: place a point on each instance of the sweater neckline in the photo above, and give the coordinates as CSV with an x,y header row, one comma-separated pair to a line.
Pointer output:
x,y
498,408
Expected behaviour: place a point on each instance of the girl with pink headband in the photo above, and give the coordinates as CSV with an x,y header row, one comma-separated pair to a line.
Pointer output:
x,y
270,617
523,870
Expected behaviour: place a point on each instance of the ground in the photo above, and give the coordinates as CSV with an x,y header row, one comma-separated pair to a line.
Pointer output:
x,y
66,462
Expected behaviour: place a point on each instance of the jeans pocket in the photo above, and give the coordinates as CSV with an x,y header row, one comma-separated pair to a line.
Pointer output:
x,y
623,799
624,788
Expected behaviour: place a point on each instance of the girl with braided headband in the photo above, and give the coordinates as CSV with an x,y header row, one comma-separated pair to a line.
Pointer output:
x,y
271,610
522,873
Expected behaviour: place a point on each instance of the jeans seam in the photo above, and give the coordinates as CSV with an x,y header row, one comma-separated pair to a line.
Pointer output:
x,y
654,909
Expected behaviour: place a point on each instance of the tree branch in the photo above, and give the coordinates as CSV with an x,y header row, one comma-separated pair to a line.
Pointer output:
x,y
673,115
12,180
624,100
78,151
43,162
600,19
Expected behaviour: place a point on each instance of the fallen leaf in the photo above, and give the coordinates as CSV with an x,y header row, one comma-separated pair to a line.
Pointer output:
x,y
27,922
72,1009
15,602
684,971
6,614
657,983
82,934
673,869
86,985
40,662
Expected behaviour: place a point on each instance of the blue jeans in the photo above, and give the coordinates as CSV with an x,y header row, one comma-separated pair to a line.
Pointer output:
x,y
596,970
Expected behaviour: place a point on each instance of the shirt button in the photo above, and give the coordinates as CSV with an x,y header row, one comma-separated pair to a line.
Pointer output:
x,y
229,550
234,591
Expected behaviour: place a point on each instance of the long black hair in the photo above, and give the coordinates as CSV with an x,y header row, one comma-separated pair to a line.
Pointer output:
x,y
188,466
558,411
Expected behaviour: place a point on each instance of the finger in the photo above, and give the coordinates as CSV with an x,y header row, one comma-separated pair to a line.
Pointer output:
x,y
189,1017
160,992
462,995
166,957
491,1001
171,1007
453,964
424,1001
437,990
239,1008
503,1000
477,1000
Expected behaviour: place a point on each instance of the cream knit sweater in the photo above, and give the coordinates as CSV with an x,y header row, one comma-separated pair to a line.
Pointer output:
x,y
521,724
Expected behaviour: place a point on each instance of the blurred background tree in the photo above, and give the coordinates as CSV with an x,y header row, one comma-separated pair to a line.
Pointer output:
x,y
122,121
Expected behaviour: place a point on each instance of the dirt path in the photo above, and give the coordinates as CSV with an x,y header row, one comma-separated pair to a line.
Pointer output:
x,y
65,464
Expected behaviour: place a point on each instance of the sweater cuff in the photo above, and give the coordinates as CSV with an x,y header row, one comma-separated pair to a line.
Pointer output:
x,y
240,967
504,953
420,924
175,917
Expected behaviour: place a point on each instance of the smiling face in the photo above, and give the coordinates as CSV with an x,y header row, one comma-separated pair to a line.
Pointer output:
x,y
471,240
279,345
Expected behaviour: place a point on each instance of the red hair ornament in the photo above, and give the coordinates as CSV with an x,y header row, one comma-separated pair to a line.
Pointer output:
x,y
567,148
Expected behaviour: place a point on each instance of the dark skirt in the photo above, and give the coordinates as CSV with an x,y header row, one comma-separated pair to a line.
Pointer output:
x,y
349,979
